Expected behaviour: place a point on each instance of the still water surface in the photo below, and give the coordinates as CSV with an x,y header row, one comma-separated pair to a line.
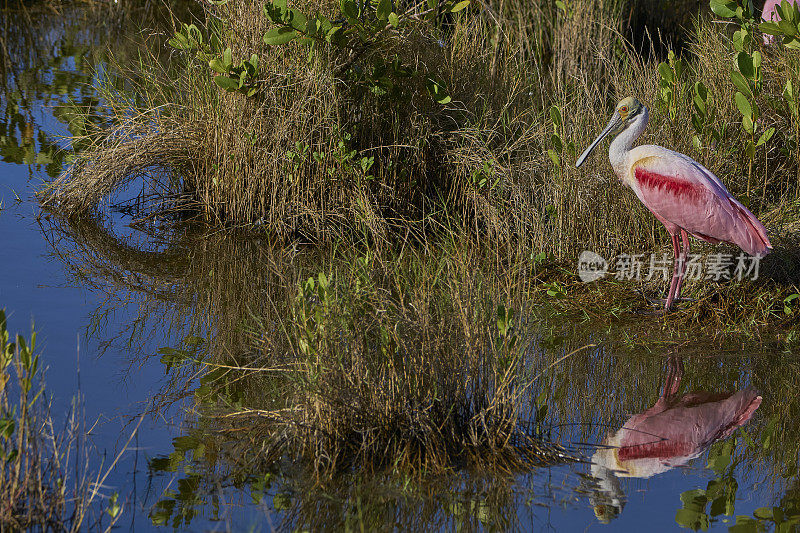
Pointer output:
x,y
101,322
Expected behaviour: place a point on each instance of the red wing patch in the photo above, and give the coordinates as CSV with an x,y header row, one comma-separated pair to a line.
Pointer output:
x,y
660,449
671,184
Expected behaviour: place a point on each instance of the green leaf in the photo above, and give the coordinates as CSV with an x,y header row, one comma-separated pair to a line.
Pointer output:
x,y
384,9
179,41
216,64
554,157
745,63
788,91
227,59
763,513
666,72
459,6
741,83
227,83
280,35
557,144
770,28
794,44
349,9
766,136
743,104
787,28
750,147
438,91
723,9
394,20
555,115
296,20
701,90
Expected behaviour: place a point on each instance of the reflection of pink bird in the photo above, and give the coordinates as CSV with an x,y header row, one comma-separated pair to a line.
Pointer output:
x,y
770,14
685,196
672,432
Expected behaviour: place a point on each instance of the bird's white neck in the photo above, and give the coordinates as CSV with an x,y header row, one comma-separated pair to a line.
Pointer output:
x,y
622,143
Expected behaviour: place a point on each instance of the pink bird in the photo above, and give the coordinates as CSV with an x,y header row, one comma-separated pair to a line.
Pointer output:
x,y
770,14
669,434
684,195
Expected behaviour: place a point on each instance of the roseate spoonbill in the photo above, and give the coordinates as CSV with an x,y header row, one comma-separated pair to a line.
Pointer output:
x,y
684,195
669,434
770,14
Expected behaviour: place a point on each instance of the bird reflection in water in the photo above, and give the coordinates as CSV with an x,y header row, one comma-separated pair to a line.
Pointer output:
x,y
674,431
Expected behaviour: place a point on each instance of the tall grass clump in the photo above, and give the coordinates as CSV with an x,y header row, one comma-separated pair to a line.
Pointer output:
x,y
371,368
406,119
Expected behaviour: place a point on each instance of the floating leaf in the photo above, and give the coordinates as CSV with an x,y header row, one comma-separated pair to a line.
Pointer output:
x,y
763,513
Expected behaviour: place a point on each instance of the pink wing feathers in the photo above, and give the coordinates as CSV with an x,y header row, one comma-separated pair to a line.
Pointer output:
x,y
683,193
687,426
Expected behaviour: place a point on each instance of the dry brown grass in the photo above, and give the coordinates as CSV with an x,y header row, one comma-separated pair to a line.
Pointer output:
x,y
224,155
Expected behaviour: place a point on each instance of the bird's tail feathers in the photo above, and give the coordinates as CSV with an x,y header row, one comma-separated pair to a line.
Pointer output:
x,y
756,241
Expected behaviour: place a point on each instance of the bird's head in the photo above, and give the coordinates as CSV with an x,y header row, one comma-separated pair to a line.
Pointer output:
x,y
627,110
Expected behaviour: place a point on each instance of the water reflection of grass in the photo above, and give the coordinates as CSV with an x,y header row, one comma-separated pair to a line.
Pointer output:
x,y
318,365
52,52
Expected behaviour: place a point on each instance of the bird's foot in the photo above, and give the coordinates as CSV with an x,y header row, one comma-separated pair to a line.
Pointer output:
x,y
659,305
661,302
661,311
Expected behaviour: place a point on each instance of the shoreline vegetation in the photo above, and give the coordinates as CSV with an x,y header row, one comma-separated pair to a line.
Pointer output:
x,y
45,482
455,123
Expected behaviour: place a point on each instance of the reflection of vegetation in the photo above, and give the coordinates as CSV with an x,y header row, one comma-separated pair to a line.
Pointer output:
x,y
331,381
702,508
35,490
49,59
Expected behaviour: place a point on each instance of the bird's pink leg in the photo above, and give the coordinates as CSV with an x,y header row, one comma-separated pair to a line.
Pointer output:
x,y
684,257
674,375
676,271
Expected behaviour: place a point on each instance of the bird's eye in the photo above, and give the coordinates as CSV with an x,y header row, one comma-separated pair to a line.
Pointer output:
x,y
623,109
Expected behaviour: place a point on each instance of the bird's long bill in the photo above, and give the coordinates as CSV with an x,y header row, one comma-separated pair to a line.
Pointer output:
x,y
612,125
